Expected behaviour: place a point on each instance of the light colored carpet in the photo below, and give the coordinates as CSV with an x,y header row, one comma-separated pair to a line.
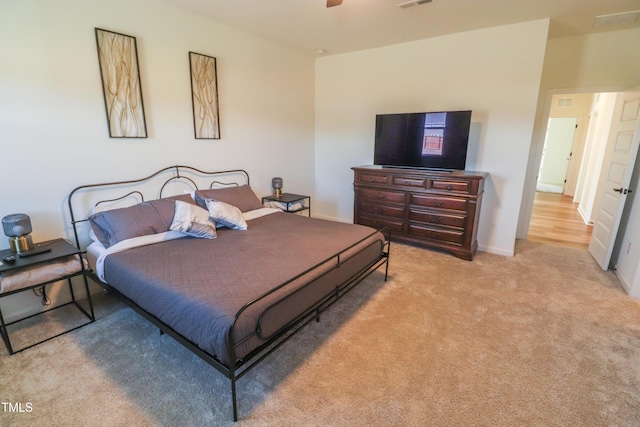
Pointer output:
x,y
544,339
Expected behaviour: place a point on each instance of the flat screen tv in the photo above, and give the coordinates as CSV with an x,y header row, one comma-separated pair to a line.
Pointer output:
x,y
434,140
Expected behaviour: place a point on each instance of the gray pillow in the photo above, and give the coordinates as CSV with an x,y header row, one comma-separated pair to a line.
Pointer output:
x,y
143,219
241,197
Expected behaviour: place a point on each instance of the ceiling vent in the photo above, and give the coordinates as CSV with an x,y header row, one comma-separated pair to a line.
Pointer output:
x,y
411,3
617,19
565,102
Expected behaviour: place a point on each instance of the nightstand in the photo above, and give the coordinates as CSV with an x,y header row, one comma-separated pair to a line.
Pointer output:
x,y
288,201
54,255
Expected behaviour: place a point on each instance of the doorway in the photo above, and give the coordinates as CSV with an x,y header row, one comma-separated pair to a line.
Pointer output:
x,y
560,215
557,154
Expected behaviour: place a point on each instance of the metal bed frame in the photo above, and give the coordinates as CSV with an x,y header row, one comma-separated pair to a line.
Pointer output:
x,y
237,367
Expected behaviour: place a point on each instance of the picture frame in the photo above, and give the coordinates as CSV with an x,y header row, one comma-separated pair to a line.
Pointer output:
x,y
120,75
204,96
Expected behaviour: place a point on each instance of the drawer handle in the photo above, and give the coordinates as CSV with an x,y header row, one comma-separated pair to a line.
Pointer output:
x,y
381,196
438,204
449,186
370,179
435,219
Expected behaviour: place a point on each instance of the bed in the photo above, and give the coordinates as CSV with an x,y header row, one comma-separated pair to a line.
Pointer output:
x,y
203,260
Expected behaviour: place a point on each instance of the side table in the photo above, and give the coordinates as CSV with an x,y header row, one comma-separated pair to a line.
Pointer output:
x,y
288,200
50,252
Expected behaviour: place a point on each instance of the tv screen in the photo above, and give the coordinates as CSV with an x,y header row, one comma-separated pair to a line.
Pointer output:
x,y
434,140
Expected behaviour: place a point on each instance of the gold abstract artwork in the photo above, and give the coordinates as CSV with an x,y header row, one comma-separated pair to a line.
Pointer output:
x,y
204,95
118,57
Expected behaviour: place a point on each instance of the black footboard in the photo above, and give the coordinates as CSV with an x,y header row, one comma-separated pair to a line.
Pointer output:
x,y
330,279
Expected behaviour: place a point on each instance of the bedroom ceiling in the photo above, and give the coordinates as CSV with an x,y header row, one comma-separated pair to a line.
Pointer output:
x,y
309,26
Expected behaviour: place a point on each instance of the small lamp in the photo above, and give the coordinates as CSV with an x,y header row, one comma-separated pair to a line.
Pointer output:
x,y
276,185
17,227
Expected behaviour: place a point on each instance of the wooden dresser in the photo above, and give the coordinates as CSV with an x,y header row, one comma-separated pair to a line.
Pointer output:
x,y
433,209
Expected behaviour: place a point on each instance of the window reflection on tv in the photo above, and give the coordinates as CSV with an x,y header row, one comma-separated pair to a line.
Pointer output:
x,y
433,139
436,140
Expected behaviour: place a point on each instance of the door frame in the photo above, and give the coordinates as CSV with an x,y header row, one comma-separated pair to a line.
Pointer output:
x,y
535,151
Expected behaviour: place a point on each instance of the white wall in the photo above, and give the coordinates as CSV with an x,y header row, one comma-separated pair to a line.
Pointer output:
x,y
604,61
495,72
54,132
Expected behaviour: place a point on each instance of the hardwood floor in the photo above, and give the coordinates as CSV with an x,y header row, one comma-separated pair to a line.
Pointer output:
x,y
555,220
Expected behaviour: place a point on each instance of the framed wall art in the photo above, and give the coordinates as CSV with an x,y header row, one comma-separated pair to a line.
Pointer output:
x,y
118,58
204,96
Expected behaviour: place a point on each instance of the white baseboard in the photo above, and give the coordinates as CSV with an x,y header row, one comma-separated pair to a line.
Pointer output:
x,y
623,281
496,251
549,188
328,218
583,215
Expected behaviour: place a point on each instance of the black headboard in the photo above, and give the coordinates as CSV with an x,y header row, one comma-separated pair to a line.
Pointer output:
x,y
168,181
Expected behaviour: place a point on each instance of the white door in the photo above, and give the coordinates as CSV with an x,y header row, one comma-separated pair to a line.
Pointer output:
x,y
556,154
622,149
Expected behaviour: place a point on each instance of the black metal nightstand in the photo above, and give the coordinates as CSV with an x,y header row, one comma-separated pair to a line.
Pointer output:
x,y
288,200
49,252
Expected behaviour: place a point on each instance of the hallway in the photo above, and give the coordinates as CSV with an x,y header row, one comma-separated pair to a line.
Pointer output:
x,y
555,220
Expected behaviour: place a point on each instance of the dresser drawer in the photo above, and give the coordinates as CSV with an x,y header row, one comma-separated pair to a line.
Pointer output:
x,y
435,233
366,178
459,186
435,218
377,223
371,195
439,202
377,209
410,181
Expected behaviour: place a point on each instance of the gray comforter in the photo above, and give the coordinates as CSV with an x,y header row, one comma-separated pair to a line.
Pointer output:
x,y
196,286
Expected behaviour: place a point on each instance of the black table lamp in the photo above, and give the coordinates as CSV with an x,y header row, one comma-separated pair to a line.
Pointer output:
x,y
17,227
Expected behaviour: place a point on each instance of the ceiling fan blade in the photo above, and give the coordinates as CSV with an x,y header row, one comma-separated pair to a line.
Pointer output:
x,y
331,3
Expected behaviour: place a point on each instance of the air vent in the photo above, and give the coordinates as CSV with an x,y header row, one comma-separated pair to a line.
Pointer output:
x,y
616,19
564,102
411,3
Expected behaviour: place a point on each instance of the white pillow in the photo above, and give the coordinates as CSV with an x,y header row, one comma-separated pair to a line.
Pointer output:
x,y
225,214
193,221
